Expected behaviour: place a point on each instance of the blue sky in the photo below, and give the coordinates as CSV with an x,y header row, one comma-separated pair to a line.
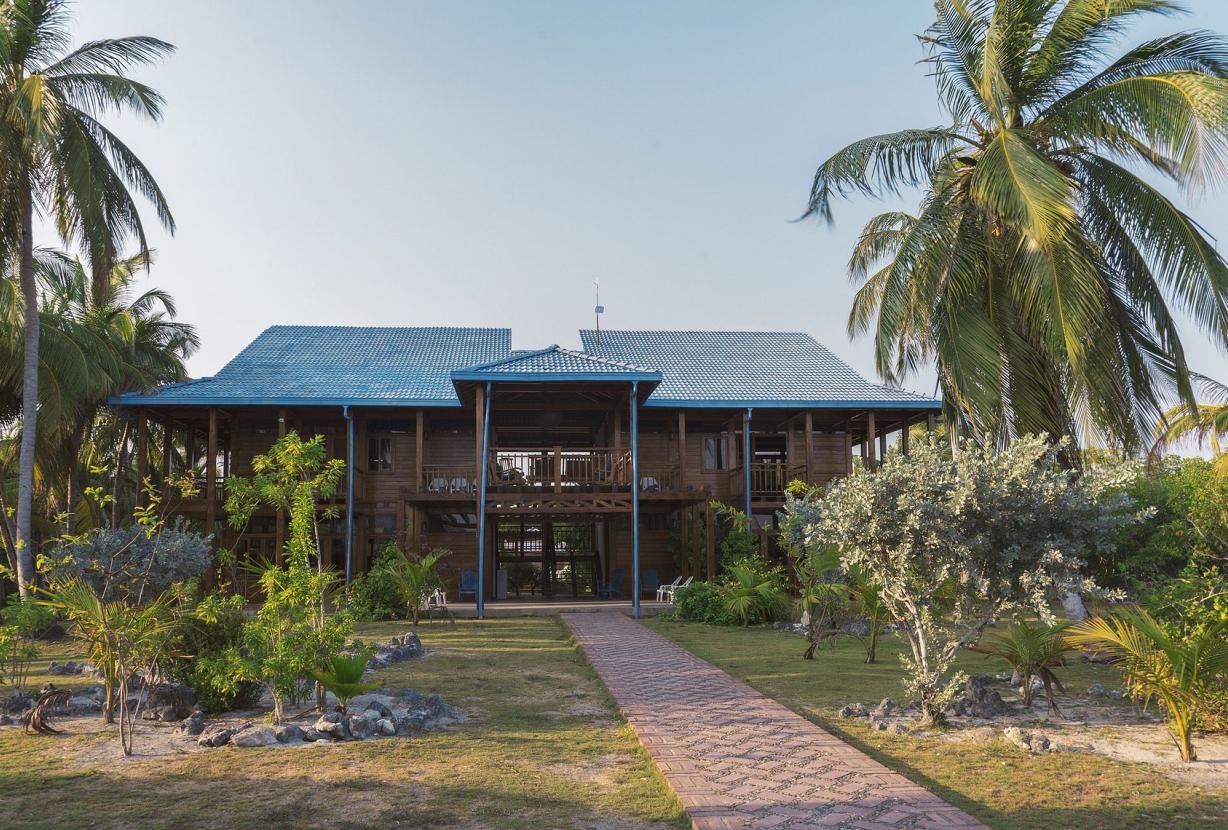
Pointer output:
x,y
481,163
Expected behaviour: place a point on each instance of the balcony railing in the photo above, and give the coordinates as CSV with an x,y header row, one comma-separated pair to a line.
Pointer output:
x,y
560,469
448,479
767,478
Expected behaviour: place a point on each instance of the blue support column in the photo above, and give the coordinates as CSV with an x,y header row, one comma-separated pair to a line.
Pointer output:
x,y
349,494
481,598
746,456
635,500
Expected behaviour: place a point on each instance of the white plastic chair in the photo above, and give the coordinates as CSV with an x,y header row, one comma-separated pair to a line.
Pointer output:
x,y
673,589
664,590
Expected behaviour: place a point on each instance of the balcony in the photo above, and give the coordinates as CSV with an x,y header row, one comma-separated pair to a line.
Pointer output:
x,y
768,479
560,470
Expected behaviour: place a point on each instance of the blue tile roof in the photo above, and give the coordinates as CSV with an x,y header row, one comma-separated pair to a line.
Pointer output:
x,y
746,368
556,363
334,365
343,364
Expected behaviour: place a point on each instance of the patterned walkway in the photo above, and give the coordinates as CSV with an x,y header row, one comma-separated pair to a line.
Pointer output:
x,y
738,759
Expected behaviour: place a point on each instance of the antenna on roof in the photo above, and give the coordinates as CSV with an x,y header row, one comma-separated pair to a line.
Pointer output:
x,y
599,309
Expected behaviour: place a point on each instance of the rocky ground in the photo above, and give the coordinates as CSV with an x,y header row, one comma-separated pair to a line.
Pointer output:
x,y
170,723
1096,722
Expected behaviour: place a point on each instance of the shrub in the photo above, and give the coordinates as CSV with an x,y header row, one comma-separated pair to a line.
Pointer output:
x,y
740,541
343,677
129,562
1031,651
702,602
210,640
375,595
953,544
31,619
753,593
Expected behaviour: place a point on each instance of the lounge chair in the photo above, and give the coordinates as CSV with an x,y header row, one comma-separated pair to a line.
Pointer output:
x,y
664,590
615,588
468,585
669,595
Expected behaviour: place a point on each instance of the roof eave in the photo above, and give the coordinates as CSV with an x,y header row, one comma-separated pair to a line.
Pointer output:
x,y
685,403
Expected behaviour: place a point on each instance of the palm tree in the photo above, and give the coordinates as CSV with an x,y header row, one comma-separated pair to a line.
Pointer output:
x,y
1031,651
1180,674
1039,271
58,158
1207,423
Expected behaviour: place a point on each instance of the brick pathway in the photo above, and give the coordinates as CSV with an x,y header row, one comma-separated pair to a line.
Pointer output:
x,y
738,759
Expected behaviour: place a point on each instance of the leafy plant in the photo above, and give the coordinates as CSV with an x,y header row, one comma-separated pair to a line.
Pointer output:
x,y
823,595
868,602
374,595
1031,651
702,602
754,594
17,652
416,579
740,541
1179,674
343,677
209,648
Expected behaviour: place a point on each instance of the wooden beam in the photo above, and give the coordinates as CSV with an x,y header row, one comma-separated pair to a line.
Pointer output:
x,y
848,451
929,422
419,448
710,539
211,474
558,469
142,456
168,438
480,399
882,446
681,450
808,431
904,438
871,461
618,427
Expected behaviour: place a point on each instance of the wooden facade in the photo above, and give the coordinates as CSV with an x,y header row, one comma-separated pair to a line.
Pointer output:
x,y
559,484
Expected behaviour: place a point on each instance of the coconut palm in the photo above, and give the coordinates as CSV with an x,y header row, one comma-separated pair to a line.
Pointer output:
x,y
1179,674
1031,651
57,158
1206,423
1041,274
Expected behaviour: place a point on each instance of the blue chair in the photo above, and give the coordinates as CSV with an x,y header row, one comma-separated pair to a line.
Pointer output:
x,y
649,582
469,585
615,588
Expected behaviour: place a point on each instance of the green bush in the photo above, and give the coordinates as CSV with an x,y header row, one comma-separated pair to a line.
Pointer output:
x,y
210,661
376,595
30,618
702,602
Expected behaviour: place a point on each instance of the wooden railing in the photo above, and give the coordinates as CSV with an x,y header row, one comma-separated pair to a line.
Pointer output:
x,y
448,479
560,469
767,478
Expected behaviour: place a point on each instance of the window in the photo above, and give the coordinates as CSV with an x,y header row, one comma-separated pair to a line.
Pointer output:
x,y
715,455
379,454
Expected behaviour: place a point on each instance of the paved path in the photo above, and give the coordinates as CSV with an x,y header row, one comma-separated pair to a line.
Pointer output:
x,y
738,759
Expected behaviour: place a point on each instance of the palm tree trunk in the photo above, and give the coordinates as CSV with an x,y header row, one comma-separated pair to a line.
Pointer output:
x,y
29,393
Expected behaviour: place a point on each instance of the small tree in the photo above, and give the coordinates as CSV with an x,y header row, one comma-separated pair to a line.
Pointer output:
x,y
740,542
1031,650
868,602
295,475
953,544
343,677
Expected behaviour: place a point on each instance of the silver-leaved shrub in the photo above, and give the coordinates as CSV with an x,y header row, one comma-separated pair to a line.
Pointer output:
x,y
955,543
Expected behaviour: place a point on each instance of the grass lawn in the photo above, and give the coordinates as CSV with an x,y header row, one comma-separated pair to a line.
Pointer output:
x,y
542,748
1002,786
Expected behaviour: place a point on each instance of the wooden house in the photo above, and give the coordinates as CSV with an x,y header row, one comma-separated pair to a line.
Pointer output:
x,y
548,473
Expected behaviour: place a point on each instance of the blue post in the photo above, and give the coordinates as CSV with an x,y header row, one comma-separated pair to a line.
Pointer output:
x,y
481,598
746,456
635,500
349,494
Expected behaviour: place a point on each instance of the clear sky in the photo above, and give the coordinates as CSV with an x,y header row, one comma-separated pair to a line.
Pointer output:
x,y
481,163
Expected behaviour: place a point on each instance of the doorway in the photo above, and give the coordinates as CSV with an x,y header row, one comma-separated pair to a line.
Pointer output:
x,y
547,558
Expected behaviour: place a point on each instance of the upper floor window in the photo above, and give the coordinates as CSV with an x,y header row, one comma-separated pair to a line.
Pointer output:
x,y
379,454
716,456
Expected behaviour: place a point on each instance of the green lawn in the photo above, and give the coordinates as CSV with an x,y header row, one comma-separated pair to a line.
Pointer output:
x,y
999,784
542,748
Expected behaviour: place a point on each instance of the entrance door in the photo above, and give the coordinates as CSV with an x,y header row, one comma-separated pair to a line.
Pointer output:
x,y
546,558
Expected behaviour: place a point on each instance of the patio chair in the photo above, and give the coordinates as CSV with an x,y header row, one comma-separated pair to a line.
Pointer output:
x,y
649,484
669,595
436,601
468,585
664,590
649,581
615,588
438,485
460,484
